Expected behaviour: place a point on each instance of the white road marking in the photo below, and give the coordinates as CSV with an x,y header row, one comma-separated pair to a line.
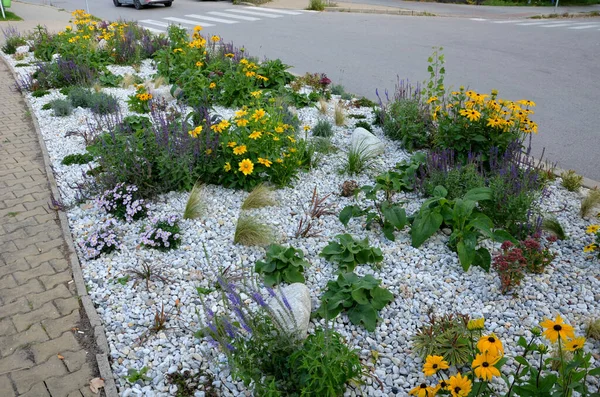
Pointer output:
x,y
537,23
557,25
478,19
585,26
157,23
224,14
211,19
511,21
258,14
154,30
286,12
187,21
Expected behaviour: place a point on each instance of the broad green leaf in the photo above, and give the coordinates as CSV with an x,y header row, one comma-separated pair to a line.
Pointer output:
x,y
394,214
360,295
483,259
466,255
365,315
424,226
381,297
478,194
502,236
521,360
388,231
349,212
440,191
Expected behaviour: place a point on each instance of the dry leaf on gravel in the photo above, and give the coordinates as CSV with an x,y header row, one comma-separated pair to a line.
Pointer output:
x,y
96,384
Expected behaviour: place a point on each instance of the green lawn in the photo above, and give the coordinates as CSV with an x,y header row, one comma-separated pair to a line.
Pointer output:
x,y
10,17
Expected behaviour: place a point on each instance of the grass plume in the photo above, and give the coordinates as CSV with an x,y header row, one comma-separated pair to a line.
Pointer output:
x,y
589,202
322,106
249,231
359,158
339,114
553,226
260,196
196,205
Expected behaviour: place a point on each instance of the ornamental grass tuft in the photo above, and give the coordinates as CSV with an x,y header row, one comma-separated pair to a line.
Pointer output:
x,y
261,196
249,231
591,201
195,207
571,181
339,114
359,158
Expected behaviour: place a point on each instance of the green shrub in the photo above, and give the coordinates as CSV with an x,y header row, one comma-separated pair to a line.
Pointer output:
x,y
39,93
363,103
316,5
61,107
325,364
13,40
571,181
337,89
406,121
363,124
323,128
361,297
47,106
80,96
282,265
457,181
103,103
348,253
77,158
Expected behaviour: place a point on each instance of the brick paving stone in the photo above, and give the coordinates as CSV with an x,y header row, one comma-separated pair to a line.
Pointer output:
x,y
38,308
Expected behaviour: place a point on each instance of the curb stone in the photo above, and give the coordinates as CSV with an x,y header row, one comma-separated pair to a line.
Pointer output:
x,y
110,388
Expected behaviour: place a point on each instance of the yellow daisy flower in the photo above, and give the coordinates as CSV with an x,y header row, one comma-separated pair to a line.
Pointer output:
x,y
554,329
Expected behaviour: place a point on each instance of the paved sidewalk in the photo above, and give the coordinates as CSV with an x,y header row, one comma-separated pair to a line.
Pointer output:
x,y
41,351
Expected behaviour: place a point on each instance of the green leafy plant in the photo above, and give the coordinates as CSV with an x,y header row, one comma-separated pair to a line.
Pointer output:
x,y
457,181
80,97
261,196
195,207
140,101
134,375
123,280
571,181
360,297
325,364
388,215
77,158
322,129
348,252
249,231
282,265
108,79
103,103
447,336
316,5
39,93
434,86
363,102
468,225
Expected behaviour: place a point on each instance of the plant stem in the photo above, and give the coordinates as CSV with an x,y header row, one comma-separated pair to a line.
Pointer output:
x,y
519,367
562,367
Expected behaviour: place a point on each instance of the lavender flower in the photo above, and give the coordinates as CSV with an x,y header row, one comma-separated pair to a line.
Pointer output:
x,y
162,234
121,202
101,241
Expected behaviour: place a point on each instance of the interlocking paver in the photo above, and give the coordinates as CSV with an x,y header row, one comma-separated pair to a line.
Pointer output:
x,y
40,355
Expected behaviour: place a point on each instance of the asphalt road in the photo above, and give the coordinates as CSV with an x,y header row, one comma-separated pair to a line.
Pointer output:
x,y
557,67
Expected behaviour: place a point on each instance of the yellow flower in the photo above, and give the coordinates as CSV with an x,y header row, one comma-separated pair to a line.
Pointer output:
x,y
215,38
526,102
433,364
250,74
279,130
208,151
279,161
592,229
256,94
432,99
483,366
471,114
557,329
291,139
575,344
229,55
306,127
241,122
212,85
197,28
258,114
265,162
494,92
241,113
491,344
275,138
495,122
231,144
246,166
244,61
255,135
423,391
263,78
68,27
240,150
227,167
471,94
459,386
199,64
476,324
195,132
589,248
176,50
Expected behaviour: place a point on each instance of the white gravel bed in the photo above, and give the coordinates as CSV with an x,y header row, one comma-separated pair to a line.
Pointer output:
x,y
420,279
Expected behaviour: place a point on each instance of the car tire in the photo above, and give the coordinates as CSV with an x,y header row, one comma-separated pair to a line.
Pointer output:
x,y
137,4
117,4
168,4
